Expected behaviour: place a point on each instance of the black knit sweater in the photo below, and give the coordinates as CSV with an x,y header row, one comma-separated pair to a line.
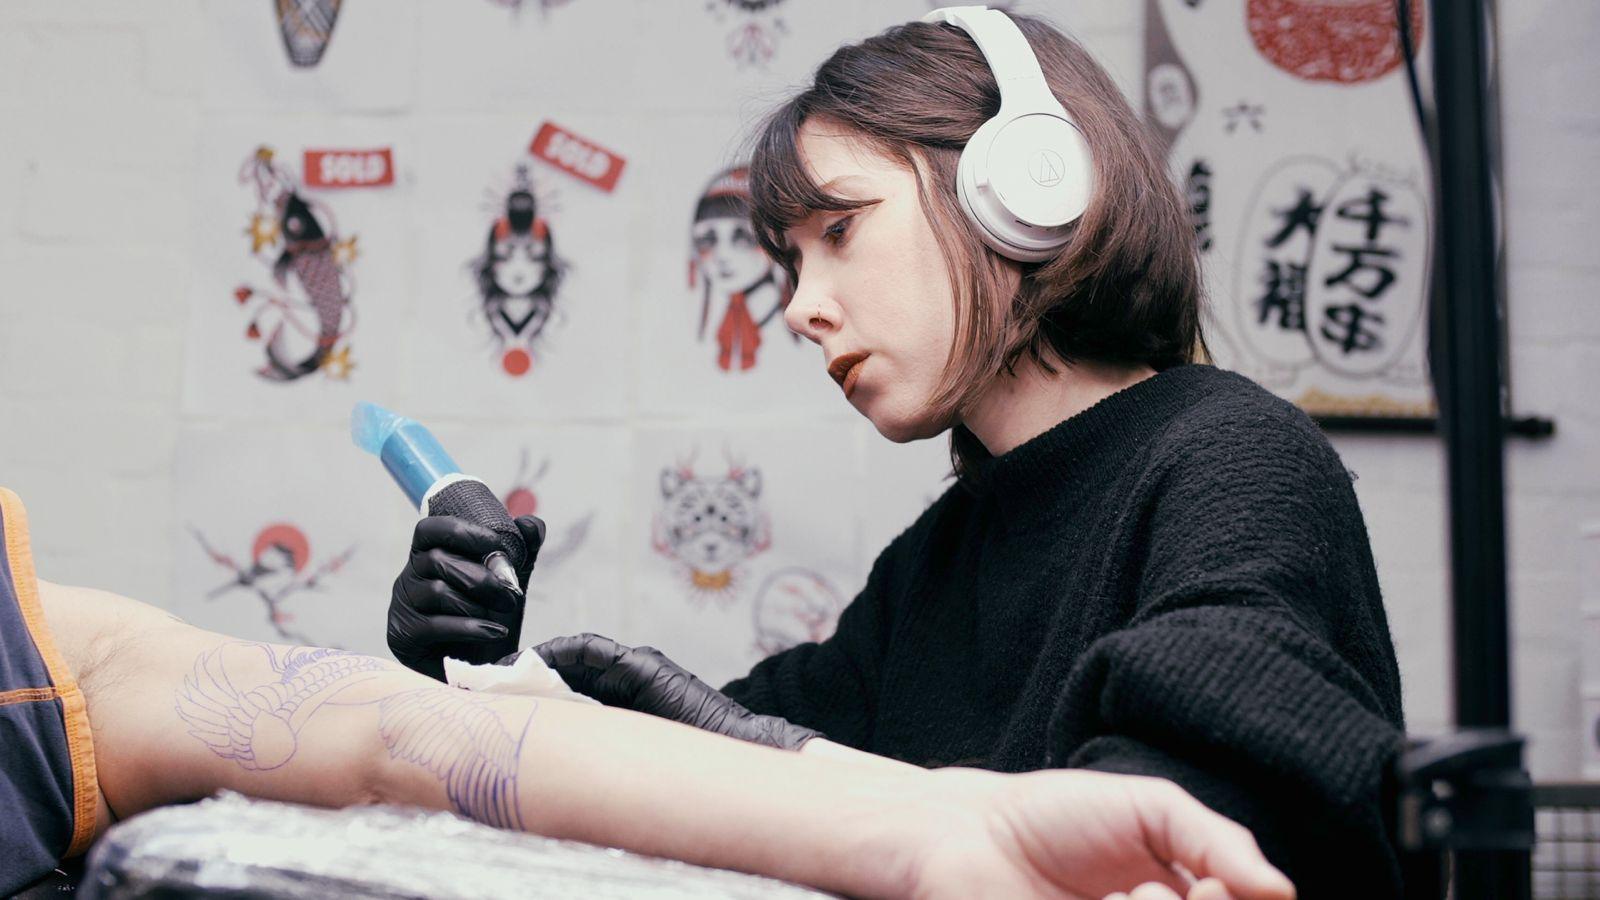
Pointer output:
x,y
1175,582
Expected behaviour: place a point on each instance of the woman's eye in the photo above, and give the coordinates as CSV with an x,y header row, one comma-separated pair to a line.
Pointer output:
x,y
834,234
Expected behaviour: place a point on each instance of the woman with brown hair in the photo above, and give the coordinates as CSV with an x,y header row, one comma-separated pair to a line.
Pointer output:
x,y
1146,565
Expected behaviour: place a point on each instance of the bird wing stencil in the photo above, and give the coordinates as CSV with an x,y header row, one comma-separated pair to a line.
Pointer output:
x,y
259,727
461,740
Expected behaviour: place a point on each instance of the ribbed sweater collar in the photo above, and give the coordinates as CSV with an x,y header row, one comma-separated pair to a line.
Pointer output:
x,y
1051,472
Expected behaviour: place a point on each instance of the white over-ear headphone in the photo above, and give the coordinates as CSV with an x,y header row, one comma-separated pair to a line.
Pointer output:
x,y
1026,174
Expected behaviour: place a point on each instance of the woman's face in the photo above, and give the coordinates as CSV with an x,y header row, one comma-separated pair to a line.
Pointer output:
x,y
728,253
518,265
872,280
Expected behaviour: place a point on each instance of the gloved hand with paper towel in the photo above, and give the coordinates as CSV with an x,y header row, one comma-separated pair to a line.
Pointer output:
x,y
523,674
645,680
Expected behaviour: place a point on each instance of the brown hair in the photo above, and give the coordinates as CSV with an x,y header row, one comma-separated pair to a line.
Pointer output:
x,y
1126,287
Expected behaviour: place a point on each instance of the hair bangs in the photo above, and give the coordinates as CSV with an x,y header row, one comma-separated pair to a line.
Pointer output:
x,y
782,192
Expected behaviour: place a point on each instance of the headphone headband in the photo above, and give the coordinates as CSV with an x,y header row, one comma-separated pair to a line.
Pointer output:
x,y
1026,174
1016,70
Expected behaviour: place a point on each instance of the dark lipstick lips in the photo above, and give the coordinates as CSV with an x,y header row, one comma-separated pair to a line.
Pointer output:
x,y
841,366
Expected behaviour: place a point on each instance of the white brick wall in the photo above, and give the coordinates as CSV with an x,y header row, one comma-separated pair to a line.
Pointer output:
x,y
100,118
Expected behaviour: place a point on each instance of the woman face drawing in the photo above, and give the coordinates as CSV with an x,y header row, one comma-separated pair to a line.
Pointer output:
x,y
518,263
727,253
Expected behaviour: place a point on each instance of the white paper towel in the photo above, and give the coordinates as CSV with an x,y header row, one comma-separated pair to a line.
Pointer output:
x,y
528,676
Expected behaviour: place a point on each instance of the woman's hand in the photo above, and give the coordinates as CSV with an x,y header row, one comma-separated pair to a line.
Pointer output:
x,y
1080,834
446,602
643,679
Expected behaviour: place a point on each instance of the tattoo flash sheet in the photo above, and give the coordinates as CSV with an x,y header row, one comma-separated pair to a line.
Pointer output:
x,y
494,56
522,267
285,534
309,55
298,303
740,54
748,546
711,334
573,477
1291,130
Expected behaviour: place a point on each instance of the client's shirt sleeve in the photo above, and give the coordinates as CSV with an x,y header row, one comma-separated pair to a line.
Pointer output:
x,y
47,775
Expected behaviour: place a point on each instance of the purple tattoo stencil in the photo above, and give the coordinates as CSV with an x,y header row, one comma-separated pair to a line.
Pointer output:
x,y
455,736
458,738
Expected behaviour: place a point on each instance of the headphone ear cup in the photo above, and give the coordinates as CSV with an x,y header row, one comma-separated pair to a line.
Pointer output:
x,y
974,203
966,187
1003,203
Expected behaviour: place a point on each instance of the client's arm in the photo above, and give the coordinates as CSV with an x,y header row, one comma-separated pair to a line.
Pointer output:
x,y
178,713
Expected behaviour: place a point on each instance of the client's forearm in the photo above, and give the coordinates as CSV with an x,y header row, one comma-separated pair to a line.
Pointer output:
x,y
565,770
822,748
178,713
635,781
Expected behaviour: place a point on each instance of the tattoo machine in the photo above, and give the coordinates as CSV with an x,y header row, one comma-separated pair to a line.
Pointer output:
x,y
435,484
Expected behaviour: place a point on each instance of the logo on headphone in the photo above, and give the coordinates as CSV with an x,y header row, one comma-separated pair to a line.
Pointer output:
x,y
1047,168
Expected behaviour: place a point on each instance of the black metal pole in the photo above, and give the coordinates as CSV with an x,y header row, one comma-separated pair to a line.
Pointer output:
x,y
1466,370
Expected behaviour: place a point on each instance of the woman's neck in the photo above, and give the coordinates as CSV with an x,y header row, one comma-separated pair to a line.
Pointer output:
x,y
1018,408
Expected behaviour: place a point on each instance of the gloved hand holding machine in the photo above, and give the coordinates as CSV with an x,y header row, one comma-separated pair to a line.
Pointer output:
x,y
461,597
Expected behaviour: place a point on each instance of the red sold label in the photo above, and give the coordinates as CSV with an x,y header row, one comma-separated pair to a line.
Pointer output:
x,y
349,168
580,158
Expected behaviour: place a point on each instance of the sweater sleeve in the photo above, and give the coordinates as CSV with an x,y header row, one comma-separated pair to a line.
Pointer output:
x,y
1257,670
830,686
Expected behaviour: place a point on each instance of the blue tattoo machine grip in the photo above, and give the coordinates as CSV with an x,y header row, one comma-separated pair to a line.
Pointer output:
x,y
434,483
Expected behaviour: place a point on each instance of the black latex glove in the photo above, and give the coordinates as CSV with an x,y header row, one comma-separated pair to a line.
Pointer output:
x,y
643,679
446,602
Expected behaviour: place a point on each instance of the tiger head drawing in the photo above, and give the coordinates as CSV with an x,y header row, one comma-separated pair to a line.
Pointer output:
x,y
711,525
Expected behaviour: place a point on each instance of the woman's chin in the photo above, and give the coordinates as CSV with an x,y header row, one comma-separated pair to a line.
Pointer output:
x,y
905,429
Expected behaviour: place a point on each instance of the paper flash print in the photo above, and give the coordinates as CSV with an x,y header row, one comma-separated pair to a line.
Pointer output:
x,y
711,525
754,38
306,26
304,313
735,279
1348,42
280,568
521,500
795,606
517,277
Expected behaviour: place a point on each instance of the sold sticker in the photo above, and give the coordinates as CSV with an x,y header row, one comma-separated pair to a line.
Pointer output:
x,y
349,168
578,157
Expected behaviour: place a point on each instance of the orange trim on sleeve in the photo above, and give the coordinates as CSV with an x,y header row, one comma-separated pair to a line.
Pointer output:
x,y
27,695
80,743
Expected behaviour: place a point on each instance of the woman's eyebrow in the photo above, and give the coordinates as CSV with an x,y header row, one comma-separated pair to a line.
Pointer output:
x,y
834,182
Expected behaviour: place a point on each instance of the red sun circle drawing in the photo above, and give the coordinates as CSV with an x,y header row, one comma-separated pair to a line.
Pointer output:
x,y
516,361
521,502
1345,41
284,537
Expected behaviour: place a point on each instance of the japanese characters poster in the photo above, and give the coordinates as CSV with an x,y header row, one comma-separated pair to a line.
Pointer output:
x,y
1290,127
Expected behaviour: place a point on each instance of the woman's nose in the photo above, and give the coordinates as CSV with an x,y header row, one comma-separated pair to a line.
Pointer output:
x,y
808,317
